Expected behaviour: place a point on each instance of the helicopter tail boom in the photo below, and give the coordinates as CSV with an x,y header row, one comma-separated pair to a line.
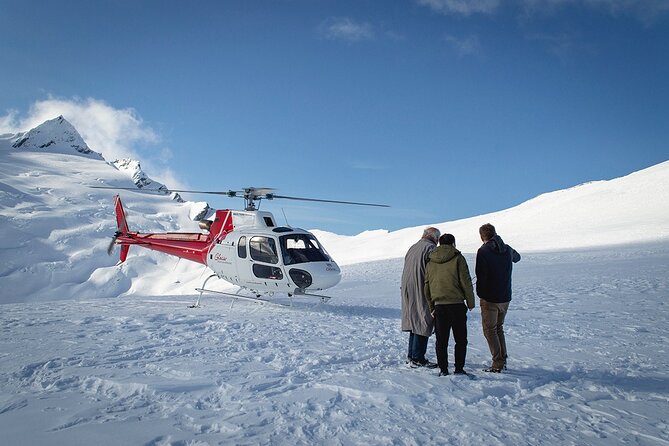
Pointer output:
x,y
190,246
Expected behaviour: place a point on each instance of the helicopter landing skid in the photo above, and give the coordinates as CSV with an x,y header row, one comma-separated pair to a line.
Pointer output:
x,y
324,299
237,296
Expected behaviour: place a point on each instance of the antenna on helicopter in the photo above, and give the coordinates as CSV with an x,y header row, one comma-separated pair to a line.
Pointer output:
x,y
284,217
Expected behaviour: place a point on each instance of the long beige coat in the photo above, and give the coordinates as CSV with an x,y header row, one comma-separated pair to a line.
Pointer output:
x,y
416,316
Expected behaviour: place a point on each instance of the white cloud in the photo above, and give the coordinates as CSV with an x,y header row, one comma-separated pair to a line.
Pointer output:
x,y
114,132
463,7
344,28
645,10
8,122
468,46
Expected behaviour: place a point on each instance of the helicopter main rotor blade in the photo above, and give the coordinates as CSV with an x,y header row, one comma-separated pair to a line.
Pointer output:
x,y
230,193
249,193
272,196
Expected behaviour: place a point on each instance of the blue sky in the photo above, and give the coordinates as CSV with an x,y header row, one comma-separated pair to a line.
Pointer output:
x,y
442,109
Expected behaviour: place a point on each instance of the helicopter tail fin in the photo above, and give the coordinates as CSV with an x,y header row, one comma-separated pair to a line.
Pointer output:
x,y
122,225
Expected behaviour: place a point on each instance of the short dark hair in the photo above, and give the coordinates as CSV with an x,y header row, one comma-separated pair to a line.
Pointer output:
x,y
487,231
447,239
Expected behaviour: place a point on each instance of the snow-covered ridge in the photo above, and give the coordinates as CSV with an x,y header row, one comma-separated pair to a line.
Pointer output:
x,y
139,177
625,210
57,136
134,169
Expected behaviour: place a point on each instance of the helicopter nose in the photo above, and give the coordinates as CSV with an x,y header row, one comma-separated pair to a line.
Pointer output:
x,y
330,278
316,275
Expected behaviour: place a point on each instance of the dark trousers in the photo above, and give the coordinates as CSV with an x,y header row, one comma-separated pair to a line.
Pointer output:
x,y
417,347
447,317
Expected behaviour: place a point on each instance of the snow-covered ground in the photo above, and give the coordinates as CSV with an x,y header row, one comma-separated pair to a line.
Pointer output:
x,y
93,353
588,365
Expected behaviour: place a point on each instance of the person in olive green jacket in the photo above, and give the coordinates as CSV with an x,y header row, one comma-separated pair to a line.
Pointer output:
x,y
449,292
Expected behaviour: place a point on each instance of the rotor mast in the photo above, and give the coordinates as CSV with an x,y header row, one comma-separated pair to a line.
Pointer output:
x,y
251,195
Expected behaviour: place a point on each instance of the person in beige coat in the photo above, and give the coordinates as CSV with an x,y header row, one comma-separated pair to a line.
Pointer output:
x,y
449,293
416,317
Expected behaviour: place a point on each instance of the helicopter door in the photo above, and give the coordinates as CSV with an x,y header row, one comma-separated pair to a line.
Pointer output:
x,y
222,261
263,265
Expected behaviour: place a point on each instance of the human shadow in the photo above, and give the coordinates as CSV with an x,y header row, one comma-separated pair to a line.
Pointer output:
x,y
537,376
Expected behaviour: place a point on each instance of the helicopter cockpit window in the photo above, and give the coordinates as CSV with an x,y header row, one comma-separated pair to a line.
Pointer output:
x,y
263,249
241,248
301,248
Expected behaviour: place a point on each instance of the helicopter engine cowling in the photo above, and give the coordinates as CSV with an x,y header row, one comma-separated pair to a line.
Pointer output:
x,y
205,225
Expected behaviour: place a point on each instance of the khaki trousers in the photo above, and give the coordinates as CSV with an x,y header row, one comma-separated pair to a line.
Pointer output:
x,y
492,317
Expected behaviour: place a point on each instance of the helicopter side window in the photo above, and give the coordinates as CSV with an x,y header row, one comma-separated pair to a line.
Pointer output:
x,y
263,249
267,272
301,248
241,248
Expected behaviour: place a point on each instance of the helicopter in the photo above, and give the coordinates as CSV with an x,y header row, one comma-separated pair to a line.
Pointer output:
x,y
245,248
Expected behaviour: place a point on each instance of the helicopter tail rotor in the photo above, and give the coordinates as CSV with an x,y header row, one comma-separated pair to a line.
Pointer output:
x,y
110,248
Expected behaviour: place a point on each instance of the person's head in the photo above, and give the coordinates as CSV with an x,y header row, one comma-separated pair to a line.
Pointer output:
x,y
447,239
431,234
487,231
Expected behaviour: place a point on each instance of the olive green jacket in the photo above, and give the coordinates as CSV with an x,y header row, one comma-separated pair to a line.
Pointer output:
x,y
447,279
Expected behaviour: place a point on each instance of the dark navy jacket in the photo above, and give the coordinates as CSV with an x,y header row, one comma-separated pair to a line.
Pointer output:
x,y
494,264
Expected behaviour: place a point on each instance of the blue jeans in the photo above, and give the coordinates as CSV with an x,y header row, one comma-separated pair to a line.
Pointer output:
x,y
417,347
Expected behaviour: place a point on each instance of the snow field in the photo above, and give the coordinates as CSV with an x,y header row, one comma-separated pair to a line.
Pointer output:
x,y
587,344
92,353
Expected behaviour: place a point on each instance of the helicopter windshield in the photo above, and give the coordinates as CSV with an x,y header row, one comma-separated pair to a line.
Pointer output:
x,y
301,248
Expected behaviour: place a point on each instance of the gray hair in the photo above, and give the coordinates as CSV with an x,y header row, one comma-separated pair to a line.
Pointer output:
x,y
431,234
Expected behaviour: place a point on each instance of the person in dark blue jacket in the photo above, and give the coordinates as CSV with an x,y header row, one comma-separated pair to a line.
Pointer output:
x,y
494,265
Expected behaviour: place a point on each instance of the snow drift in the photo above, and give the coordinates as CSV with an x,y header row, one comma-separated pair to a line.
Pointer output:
x,y
631,209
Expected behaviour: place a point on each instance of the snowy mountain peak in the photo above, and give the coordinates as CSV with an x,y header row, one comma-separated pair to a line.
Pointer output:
x,y
57,136
134,169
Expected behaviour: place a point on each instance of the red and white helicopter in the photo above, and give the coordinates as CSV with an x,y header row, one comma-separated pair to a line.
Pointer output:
x,y
245,248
